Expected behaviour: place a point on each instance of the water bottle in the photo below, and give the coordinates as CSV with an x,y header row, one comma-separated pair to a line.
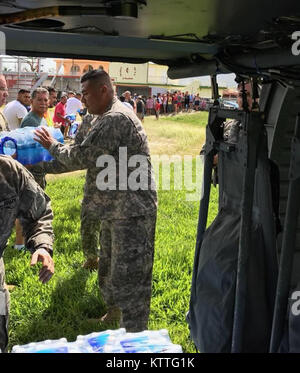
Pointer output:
x,y
98,340
48,346
109,341
73,129
20,144
148,341
78,347
71,117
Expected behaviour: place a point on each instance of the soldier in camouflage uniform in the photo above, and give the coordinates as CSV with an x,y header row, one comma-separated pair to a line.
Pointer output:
x,y
128,215
22,198
90,224
19,243
87,124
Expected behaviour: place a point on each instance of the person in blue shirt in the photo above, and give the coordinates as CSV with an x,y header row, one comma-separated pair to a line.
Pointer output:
x,y
39,106
35,118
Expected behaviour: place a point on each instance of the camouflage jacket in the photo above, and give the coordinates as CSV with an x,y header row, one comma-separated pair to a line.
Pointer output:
x,y
22,198
117,128
87,123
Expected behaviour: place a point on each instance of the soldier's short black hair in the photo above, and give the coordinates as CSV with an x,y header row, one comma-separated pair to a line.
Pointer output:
x,y
96,75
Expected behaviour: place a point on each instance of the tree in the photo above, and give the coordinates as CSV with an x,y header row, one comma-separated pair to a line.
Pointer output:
x,y
31,64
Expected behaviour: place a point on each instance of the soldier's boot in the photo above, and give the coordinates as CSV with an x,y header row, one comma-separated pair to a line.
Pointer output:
x,y
113,315
91,264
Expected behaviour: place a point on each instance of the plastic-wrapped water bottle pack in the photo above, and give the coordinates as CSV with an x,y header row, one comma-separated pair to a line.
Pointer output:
x,y
109,341
21,145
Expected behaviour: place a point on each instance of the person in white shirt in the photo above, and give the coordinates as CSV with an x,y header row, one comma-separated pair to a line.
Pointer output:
x,y
127,104
15,111
74,104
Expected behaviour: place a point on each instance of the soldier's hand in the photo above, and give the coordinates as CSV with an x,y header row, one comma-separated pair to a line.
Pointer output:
x,y
46,272
44,137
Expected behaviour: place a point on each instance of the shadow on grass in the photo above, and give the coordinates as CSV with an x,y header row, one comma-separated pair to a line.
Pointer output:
x,y
71,213
71,309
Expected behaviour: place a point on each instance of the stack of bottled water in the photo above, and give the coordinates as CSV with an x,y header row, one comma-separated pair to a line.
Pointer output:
x,y
51,346
20,144
109,341
73,130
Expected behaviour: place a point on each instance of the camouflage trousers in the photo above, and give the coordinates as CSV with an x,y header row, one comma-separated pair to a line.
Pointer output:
x,y
4,309
90,233
125,268
40,178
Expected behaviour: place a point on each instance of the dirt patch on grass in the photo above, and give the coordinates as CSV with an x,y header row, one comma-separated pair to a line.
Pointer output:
x,y
52,177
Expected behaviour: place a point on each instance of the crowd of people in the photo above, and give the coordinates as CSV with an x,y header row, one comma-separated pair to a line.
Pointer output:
x,y
41,108
164,103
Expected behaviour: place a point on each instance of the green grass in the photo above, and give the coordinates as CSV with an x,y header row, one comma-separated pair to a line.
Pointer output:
x,y
181,134
69,304
192,118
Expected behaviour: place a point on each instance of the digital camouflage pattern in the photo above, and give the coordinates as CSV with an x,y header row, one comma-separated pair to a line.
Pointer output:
x,y
90,222
40,178
117,127
87,123
90,233
127,217
4,309
125,268
22,198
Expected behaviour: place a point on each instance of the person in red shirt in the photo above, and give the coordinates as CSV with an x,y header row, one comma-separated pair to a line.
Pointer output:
x,y
175,102
157,108
60,113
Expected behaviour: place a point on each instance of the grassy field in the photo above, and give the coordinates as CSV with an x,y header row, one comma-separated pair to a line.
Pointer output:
x,y
70,303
